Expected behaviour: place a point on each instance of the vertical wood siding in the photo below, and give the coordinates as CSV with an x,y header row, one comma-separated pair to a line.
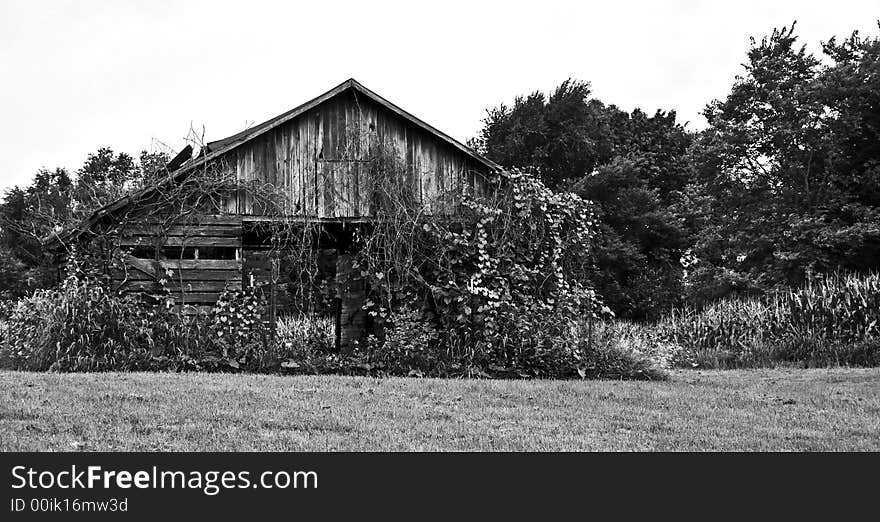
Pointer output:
x,y
319,160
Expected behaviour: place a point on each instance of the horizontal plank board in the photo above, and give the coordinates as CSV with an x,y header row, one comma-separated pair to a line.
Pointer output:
x,y
181,230
196,297
142,265
191,241
261,255
187,275
201,264
208,275
187,285
206,219
149,266
118,276
193,297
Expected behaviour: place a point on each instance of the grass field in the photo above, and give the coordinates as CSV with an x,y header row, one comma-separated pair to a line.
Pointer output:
x,y
716,410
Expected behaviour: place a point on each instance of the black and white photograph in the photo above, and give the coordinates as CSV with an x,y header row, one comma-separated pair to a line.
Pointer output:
x,y
434,227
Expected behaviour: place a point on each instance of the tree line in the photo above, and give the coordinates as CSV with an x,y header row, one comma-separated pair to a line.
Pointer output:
x,y
782,184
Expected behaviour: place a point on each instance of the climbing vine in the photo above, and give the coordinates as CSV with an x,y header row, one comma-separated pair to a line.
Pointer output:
x,y
498,278
486,274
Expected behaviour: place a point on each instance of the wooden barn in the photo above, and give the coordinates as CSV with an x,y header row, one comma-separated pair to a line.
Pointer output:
x,y
317,156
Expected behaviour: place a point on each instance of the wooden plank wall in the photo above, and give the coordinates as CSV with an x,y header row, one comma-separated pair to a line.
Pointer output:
x,y
190,281
318,160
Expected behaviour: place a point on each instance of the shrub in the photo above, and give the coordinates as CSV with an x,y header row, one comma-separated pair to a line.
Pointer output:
x,y
501,286
410,346
619,350
77,327
239,328
304,333
304,344
82,326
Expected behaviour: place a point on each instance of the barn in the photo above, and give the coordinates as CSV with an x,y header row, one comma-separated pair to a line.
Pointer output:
x,y
318,161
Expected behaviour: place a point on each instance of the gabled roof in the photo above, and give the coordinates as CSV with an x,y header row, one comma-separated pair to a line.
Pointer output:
x,y
226,144
179,166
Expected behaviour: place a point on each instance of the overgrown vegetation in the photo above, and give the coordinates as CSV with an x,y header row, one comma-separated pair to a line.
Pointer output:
x,y
749,243
82,327
780,186
830,321
495,293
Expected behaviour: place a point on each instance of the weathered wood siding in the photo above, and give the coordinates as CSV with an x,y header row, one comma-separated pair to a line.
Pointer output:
x,y
319,161
198,281
322,162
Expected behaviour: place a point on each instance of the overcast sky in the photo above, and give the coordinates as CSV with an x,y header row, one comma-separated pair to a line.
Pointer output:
x,y
79,75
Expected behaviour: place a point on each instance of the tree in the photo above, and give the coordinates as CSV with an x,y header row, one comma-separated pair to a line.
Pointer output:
x,y
55,200
104,177
561,138
633,166
26,216
643,217
152,167
787,168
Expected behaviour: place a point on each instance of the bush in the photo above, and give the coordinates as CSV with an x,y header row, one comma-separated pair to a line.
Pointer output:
x,y
620,350
305,344
559,349
82,326
77,327
302,334
238,329
410,346
832,321
498,291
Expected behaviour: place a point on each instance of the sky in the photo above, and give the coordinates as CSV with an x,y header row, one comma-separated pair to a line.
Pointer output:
x,y
140,74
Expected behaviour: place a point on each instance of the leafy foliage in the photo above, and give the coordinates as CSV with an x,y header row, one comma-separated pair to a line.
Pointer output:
x,y
410,346
787,170
633,167
562,137
237,325
830,321
77,326
500,284
55,200
723,239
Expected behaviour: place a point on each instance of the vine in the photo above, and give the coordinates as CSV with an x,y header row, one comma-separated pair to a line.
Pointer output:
x,y
494,276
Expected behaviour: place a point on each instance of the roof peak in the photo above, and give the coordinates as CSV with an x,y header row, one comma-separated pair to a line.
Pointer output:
x,y
218,147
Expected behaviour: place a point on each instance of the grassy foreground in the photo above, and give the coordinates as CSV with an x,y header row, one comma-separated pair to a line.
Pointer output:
x,y
711,410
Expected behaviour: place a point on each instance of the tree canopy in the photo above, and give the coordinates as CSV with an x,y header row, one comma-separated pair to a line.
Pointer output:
x,y
783,183
54,200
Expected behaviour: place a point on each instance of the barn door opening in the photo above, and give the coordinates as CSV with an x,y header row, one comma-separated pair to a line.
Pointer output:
x,y
314,292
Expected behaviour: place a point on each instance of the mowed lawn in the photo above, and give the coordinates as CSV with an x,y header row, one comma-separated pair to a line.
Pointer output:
x,y
719,410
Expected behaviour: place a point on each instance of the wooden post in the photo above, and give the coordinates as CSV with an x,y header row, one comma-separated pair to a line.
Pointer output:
x,y
351,322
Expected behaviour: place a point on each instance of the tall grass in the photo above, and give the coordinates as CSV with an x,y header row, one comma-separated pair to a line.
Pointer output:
x,y
833,320
302,335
